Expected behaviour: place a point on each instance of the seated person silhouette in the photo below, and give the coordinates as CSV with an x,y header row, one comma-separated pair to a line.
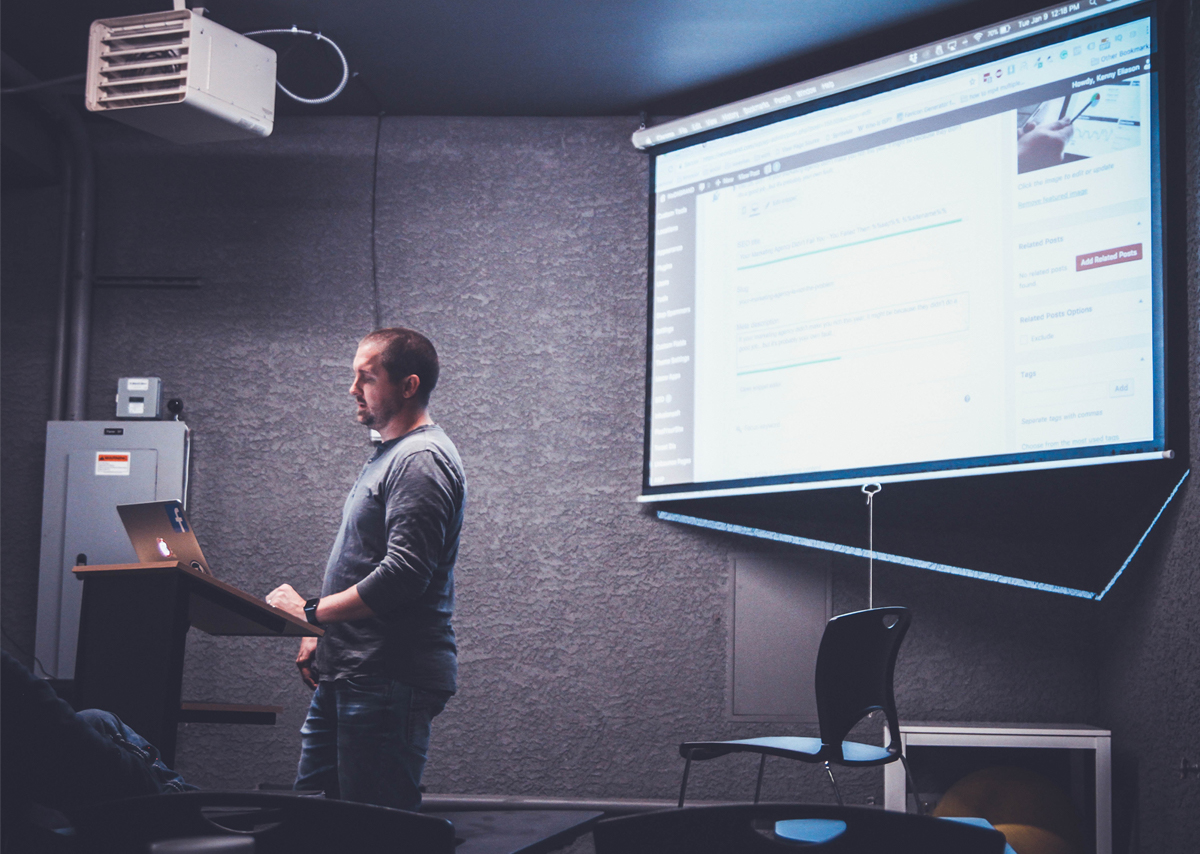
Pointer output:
x,y
57,759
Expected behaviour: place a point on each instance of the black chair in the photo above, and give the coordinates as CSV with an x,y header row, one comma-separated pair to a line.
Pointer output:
x,y
855,665
279,824
750,829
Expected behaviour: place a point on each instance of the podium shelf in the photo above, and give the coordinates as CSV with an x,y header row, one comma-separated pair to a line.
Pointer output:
x,y
227,713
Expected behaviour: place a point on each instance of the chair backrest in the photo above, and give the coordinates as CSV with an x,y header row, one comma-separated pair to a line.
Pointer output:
x,y
855,666
277,823
739,829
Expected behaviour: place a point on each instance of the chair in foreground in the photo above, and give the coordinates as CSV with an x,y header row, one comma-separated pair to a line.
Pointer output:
x,y
855,666
276,823
755,828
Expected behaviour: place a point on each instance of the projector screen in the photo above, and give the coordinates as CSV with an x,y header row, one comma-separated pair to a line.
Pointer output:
x,y
956,268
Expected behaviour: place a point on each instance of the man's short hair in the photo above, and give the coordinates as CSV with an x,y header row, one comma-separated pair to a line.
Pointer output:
x,y
407,352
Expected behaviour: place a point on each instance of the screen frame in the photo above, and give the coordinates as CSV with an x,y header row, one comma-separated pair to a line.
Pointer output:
x,y
1165,118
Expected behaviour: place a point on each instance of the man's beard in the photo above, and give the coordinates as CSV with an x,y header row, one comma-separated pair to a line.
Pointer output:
x,y
366,417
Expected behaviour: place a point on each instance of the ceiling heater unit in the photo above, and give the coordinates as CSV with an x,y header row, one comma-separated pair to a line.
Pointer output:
x,y
180,76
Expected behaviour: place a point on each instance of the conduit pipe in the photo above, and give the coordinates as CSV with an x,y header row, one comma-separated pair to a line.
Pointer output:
x,y
73,339
58,387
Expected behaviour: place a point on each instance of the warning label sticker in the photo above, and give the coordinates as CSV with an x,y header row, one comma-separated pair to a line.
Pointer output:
x,y
109,463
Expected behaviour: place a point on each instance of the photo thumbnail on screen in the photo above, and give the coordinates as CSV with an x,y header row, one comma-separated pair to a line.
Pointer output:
x,y
1085,124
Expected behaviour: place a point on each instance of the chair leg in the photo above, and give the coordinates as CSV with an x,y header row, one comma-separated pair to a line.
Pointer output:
x,y
833,782
687,766
912,784
762,763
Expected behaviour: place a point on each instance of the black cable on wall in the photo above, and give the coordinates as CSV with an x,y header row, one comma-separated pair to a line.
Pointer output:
x,y
376,315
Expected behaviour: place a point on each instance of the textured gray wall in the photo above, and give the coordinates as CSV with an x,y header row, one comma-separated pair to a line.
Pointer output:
x,y
29,252
592,635
1150,689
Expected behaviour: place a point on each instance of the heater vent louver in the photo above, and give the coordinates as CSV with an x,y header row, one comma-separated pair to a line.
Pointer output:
x,y
180,76
139,61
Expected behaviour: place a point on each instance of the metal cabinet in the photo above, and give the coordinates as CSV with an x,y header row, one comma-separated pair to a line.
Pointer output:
x,y
91,467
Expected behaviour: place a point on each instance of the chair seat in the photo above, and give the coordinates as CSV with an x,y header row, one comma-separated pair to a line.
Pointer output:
x,y
737,829
813,830
789,747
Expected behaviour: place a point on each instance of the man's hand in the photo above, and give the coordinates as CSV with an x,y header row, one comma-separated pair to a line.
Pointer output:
x,y
335,608
285,598
1039,146
305,659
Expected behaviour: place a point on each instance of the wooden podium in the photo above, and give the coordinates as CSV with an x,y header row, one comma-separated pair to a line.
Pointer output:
x,y
132,633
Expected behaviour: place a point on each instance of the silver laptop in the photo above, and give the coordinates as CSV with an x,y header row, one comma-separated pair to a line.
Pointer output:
x,y
159,531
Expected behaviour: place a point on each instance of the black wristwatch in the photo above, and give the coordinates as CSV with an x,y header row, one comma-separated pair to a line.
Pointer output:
x,y
310,610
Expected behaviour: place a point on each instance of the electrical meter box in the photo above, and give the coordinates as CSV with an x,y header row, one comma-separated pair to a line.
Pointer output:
x,y
139,397
91,467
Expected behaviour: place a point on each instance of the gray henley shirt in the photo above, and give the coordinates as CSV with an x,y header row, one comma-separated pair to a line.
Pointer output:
x,y
398,542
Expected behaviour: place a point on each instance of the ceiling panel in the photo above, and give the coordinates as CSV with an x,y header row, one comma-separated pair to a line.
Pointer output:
x,y
533,57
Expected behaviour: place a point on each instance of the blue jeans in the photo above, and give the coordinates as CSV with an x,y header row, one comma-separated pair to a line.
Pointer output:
x,y
366,739
112,727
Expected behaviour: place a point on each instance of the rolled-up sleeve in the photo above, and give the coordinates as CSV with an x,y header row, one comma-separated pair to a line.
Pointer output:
x,y
419,507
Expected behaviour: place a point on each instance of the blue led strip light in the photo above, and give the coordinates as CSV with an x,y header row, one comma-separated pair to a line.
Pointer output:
x,y
1143,539
922,564
890,558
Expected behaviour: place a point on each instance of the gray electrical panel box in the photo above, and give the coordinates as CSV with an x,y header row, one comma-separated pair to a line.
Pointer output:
x,y
91,467
139,397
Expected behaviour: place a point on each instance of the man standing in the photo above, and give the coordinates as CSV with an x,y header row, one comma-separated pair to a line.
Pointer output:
x,y
387,663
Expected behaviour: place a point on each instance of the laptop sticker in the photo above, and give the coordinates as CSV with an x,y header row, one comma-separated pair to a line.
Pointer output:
x,y
175,514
